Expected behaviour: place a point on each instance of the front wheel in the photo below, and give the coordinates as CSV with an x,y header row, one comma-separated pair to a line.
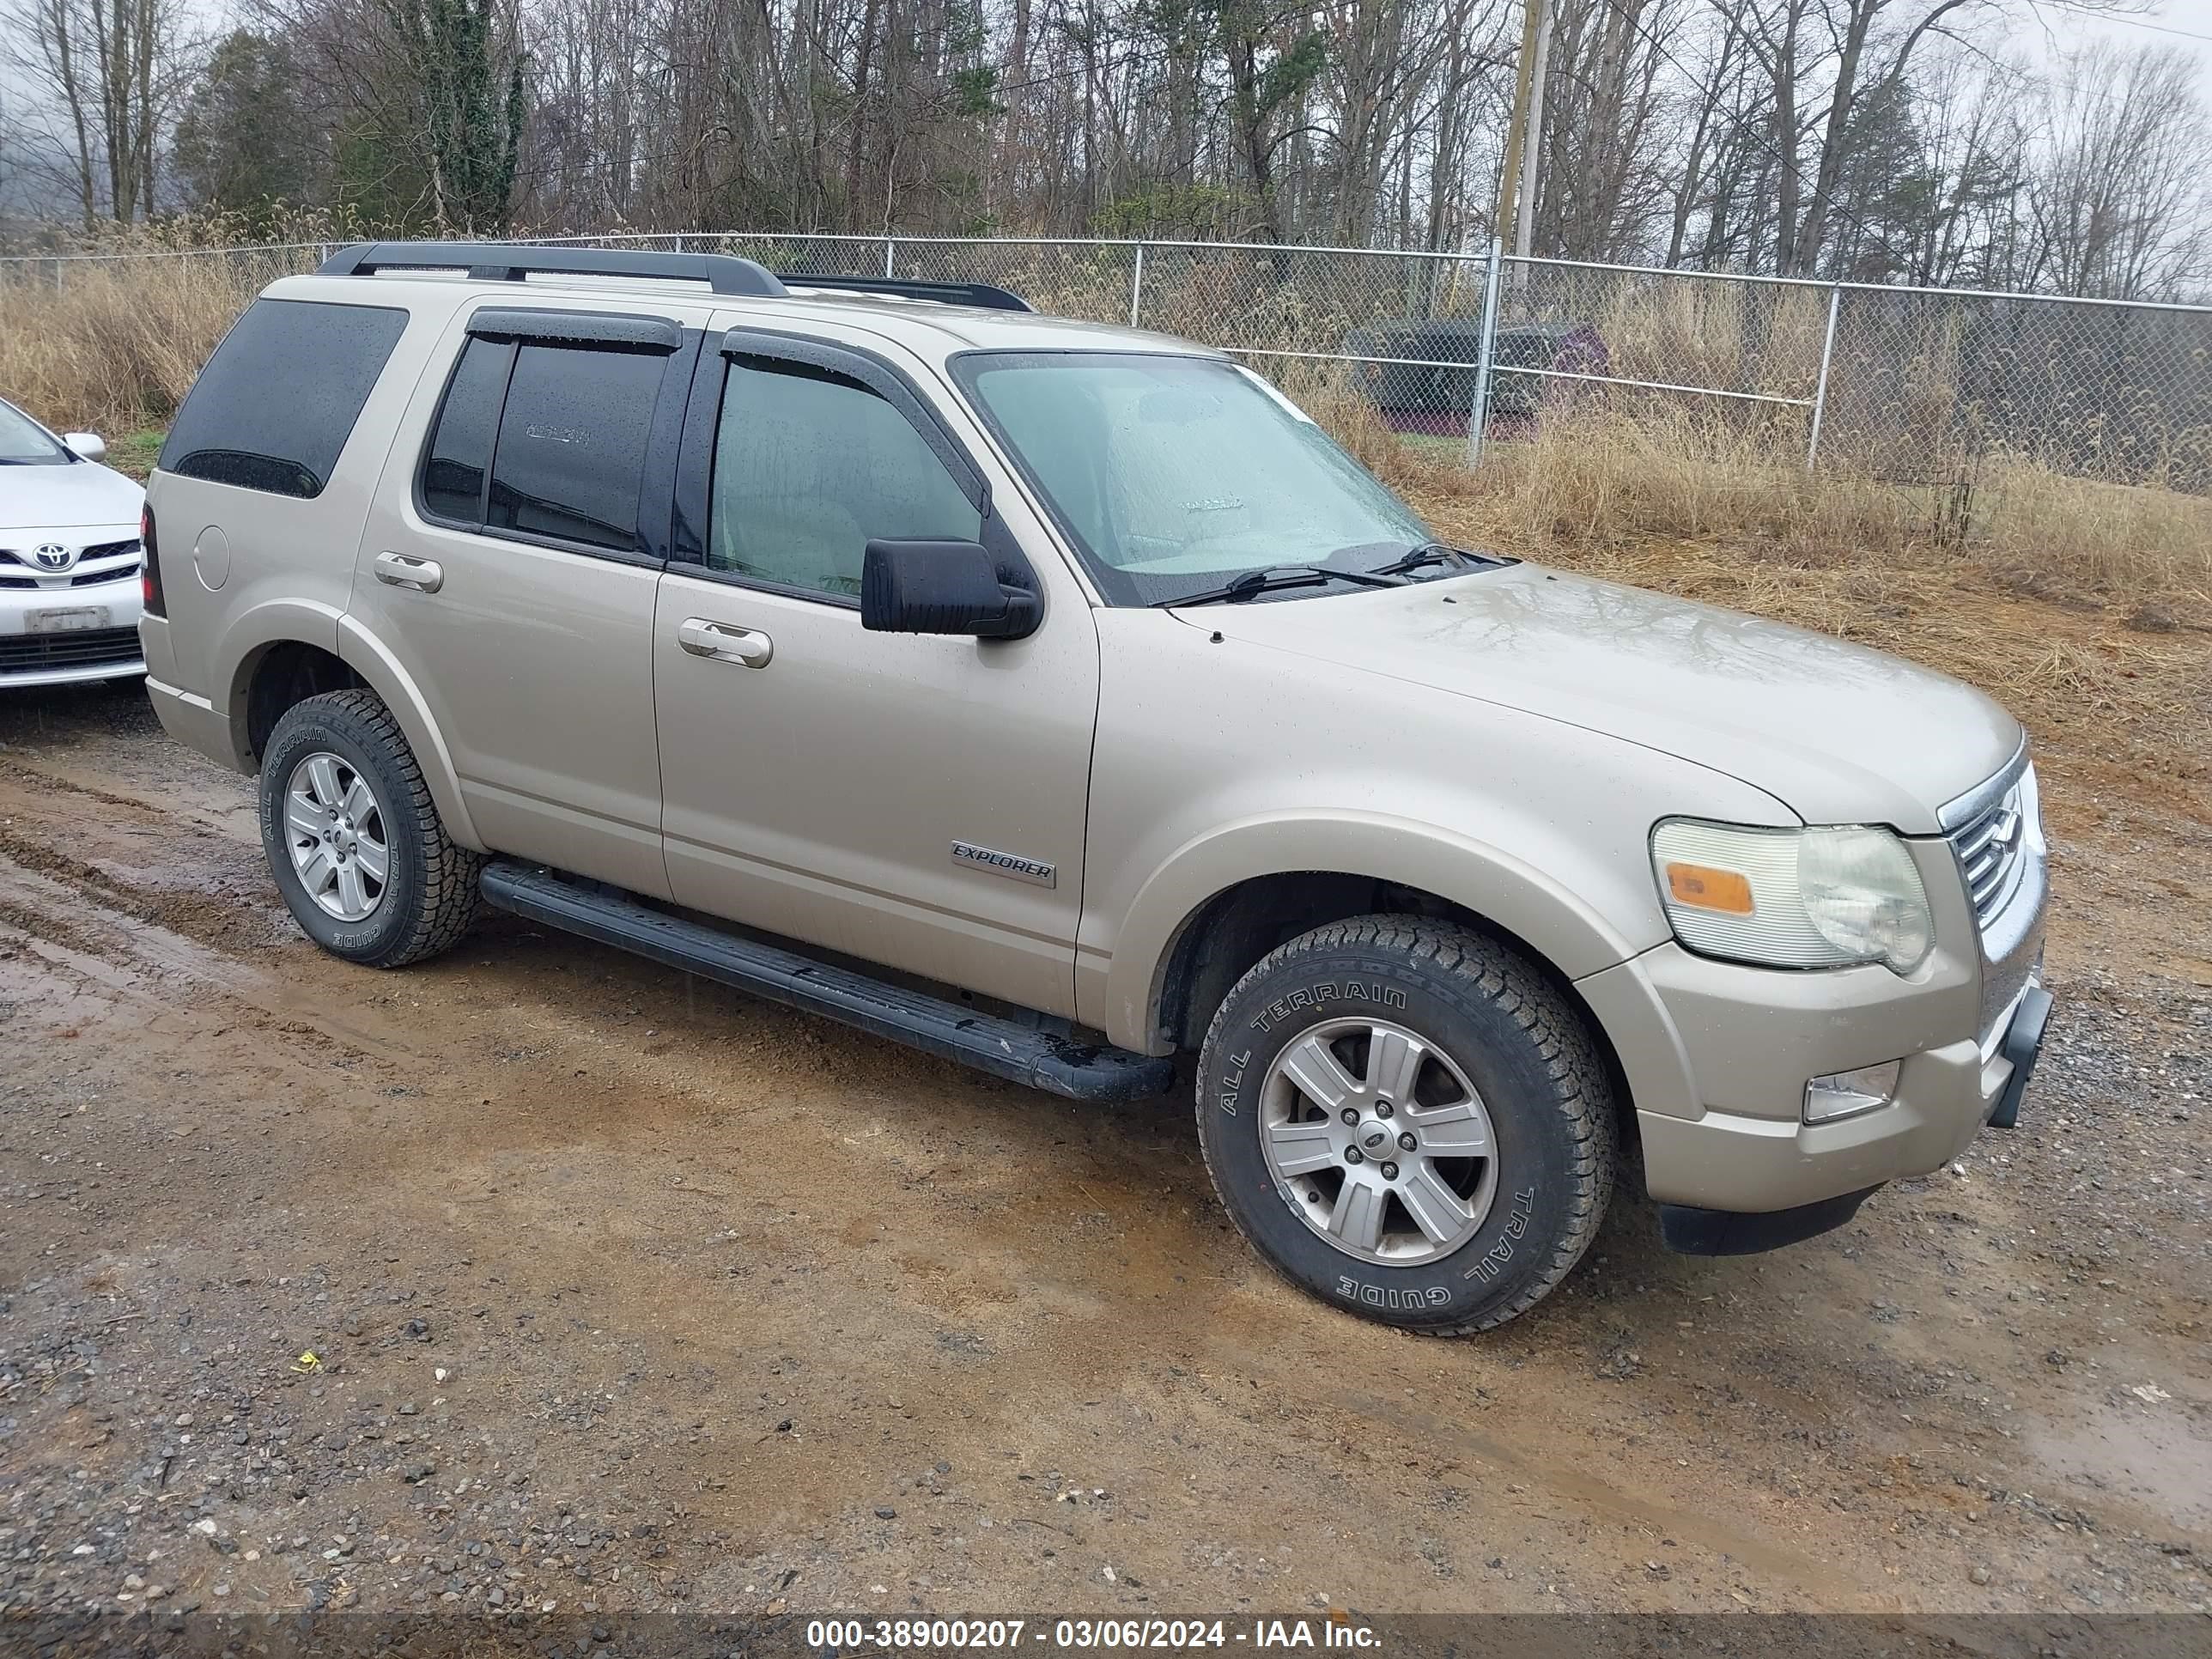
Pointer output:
x,y
1409,1121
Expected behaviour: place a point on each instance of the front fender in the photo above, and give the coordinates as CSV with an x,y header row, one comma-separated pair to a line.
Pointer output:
x,y
1123,996
1282,763
368,657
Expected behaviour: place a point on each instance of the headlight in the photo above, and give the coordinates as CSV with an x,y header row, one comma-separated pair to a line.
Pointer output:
x,y
1793,898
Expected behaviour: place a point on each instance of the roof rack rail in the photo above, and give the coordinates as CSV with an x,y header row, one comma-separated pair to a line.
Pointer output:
x,y
511,262
986,294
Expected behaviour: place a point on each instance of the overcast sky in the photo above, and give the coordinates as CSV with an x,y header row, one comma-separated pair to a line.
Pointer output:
x,y
2183,23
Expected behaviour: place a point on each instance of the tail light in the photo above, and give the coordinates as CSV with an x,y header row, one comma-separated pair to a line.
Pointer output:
x,y
149,573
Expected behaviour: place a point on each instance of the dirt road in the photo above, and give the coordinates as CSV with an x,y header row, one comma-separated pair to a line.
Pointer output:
x,y
623,1293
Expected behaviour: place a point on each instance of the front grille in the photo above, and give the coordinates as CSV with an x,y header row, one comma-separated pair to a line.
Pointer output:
x,y
1992,846
82,648
1995,834
81,579
97,550
78,576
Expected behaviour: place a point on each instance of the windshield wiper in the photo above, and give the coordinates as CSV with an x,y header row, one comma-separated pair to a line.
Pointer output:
x,y
1429,553
1275,577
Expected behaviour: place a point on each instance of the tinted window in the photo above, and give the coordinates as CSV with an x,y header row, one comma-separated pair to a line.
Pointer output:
x,y
276,402
460,444
810,465
571,450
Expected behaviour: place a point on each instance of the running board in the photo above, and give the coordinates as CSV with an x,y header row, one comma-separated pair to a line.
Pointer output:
x,y
1041,1060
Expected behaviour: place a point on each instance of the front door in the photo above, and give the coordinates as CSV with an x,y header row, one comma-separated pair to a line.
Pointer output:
x,y
916,801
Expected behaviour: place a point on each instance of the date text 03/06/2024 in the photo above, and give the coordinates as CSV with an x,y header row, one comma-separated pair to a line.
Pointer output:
x,y
847,1634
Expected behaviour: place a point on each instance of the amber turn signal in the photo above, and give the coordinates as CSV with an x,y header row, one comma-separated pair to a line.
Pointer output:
x,y
1706,888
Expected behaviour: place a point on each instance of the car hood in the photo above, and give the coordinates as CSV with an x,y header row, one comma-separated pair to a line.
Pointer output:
x,y
62,497
1837,733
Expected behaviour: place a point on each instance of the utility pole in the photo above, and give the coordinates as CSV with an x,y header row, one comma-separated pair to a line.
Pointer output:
x,y
1532,151
1507,181
1509,177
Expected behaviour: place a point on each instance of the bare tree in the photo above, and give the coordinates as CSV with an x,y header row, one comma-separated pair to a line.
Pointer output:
x,y
2117,197
1612,127
1883,140
104,78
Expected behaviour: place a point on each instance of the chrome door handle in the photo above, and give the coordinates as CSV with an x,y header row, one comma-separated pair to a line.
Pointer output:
x,y
724,641
424,576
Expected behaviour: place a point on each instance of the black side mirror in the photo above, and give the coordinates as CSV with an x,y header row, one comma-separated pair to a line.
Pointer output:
x,y
945,587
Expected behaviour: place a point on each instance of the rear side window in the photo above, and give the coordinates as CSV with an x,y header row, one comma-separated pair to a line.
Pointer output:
x,y
545,440
275,405
459,454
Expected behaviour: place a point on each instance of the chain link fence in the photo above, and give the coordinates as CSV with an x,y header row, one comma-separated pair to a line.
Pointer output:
x,y
1451,350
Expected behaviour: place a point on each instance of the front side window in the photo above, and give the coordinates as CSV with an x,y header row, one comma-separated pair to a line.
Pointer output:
x,y
1176,474
275,405
24,442
544,441
810,466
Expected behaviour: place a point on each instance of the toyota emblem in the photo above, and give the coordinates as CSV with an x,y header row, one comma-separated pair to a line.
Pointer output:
x,y
52,556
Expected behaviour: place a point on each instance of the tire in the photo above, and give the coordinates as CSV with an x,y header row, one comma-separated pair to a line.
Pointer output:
x,y
1508,1065
427,894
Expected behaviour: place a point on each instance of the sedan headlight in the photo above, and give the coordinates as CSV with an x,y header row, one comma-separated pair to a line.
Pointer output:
x,y
1821,897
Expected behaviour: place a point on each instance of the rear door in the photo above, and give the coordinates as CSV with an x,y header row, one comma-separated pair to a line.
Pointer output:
x,y
510,569
914,800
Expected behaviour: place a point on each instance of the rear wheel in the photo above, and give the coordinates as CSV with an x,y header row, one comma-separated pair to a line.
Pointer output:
x,y
353,838
1409,1121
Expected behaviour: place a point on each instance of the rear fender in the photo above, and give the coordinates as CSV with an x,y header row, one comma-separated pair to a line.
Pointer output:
x,y
368,657
248,641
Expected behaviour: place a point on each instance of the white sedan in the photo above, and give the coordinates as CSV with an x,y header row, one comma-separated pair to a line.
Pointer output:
x,y
70,558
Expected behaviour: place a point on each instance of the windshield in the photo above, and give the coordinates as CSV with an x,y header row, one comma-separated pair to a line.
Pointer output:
x,y
24,442
1176,474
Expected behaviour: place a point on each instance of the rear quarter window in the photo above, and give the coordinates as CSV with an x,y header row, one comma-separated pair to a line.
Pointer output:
x,y
274,407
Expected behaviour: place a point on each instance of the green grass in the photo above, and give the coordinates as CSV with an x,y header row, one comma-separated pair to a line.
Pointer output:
x,y
133,454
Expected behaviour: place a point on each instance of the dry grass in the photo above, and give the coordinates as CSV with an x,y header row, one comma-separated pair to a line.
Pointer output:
x,y
116,346
1593,476
1589,477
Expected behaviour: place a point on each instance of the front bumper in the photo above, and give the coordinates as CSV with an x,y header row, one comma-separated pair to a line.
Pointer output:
x,y
99,642
2006,1062
1718,1055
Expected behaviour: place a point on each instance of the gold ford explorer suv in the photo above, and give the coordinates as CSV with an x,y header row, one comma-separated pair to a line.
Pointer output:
x,y
1059,699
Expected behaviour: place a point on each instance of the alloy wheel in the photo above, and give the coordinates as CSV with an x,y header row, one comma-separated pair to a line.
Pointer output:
x,y
1377,1140
334,829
